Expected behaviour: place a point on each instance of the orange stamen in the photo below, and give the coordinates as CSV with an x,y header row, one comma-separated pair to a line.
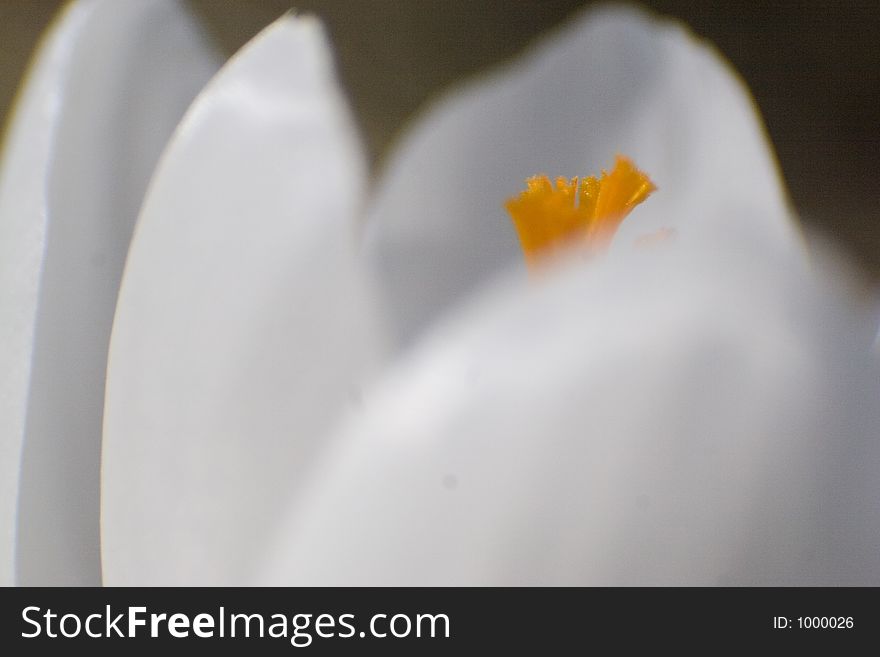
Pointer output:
x,y
586,212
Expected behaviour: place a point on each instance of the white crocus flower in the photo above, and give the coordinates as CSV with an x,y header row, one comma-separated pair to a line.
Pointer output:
x,y
286,406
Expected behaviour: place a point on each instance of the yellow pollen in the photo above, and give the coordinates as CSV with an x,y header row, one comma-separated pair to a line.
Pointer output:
x,y
585,212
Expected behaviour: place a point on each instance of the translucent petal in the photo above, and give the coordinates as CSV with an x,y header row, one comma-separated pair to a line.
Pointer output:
x,y
106,89
244,323
704,414
614,80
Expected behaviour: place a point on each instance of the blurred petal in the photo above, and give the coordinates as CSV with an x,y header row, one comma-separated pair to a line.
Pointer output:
x,y
244,323
108,86
699,415
613,80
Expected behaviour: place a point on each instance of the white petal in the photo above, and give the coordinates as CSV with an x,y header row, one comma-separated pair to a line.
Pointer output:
x,y
244,323
106,90
614,80
698,416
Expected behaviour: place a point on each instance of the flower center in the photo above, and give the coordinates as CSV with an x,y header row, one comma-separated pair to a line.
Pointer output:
x,y
585,212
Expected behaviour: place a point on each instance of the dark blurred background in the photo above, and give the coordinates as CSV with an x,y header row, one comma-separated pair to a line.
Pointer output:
x,y
814,68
